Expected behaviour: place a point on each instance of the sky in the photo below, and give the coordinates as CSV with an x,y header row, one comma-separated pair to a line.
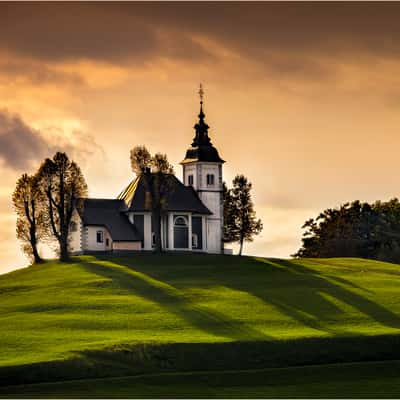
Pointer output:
x,y
302,98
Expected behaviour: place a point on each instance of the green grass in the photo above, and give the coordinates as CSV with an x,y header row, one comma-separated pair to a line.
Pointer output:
x,y
54,313
353,380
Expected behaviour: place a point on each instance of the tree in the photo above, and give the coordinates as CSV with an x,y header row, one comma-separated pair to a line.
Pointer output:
x,y
156,172
63,183
231,233
240,223
140,160
354,230
28,202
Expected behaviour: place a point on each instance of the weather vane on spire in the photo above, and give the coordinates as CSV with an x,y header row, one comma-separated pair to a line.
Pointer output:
x,y
201,93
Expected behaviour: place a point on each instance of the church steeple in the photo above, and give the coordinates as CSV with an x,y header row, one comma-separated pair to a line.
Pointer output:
x,y
201,148
201,128
202,171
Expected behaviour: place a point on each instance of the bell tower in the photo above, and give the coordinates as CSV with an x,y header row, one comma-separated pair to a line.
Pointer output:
x,y
202,169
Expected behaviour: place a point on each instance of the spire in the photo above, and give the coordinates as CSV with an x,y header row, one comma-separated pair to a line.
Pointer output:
x,y
201,128
201,95
202,148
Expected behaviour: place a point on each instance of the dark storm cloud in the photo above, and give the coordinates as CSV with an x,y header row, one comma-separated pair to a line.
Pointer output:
x,y
300,27
19,143
106,32
117,32
22,147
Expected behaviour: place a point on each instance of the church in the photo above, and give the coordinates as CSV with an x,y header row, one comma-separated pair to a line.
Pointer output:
x,y
193,219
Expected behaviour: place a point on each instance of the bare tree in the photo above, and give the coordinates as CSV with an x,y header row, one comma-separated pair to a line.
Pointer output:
x,y
62,182
28,202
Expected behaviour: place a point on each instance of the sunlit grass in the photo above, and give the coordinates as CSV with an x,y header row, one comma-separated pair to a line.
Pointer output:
x,y
51,311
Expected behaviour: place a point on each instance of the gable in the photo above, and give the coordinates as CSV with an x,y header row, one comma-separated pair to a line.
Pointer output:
x,y
182,198
109,213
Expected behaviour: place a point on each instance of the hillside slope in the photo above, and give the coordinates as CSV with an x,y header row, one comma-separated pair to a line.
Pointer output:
x,y
352,380
52,311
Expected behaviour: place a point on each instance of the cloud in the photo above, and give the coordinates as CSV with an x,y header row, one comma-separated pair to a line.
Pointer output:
x,y
21,146
36,73
19,143
295,27
143,32
103,32
273,41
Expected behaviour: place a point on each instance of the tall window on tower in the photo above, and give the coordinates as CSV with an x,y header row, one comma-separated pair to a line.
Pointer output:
x,y
210,179
190,180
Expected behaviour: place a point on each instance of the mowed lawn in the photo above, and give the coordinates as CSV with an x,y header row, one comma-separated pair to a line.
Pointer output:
x,y
54,311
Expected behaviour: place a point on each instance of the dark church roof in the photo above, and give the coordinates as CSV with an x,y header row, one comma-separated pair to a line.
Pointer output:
x,y
110,214
202,148
181,198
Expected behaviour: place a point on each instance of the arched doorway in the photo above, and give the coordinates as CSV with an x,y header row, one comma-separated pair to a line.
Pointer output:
x,y
181,232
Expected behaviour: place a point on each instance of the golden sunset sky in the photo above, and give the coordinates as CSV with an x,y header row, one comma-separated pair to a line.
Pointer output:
x,y
302,98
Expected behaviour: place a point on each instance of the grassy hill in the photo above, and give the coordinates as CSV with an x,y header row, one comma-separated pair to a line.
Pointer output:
x,y
116,316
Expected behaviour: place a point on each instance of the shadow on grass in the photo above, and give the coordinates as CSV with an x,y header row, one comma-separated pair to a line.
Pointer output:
x,y
264,279
174,301
334,288
337,264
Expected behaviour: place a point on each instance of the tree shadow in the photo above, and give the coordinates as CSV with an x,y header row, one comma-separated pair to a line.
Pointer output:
x,y
336,279
173,299
262,278
327,285
375,270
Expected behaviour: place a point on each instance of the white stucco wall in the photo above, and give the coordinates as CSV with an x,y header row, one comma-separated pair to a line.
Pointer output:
x,y
213,236
147,231
190,169
91,236
126,246
199,170
75,237
211,196
212,201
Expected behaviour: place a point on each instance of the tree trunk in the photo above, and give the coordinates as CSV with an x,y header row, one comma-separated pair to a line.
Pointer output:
x,y
64,254
33,237
36,256
241,246
157,230
33,242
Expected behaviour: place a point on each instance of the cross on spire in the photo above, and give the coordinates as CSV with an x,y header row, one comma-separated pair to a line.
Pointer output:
x,y
202,148
201,127
201,93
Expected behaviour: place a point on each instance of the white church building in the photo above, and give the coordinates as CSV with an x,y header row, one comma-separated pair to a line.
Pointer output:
x,y
193,220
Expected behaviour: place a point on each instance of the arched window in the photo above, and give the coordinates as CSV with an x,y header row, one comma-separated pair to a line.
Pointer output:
x,y
180,221
210,179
